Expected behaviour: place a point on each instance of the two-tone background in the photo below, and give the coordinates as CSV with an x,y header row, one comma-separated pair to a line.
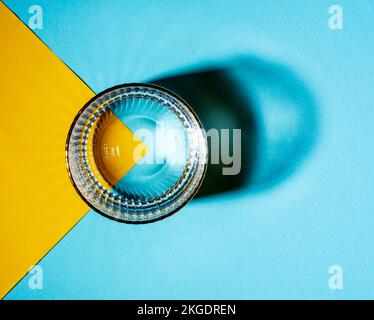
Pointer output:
x,y
303,202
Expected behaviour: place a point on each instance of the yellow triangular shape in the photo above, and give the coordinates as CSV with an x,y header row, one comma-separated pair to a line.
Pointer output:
x,y
39,98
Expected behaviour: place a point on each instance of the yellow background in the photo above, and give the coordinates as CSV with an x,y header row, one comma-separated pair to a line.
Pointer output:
x,y
39,98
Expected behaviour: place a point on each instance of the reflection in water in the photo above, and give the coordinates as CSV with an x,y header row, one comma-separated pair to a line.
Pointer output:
x,y
272,107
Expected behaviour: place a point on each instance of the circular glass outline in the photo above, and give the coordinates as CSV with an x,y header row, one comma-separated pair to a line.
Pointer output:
x,y
191,185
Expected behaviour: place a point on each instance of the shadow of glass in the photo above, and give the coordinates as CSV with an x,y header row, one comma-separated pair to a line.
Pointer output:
x,y
273,108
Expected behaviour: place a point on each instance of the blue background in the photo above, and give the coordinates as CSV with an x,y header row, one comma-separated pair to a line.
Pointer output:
x,y
274,243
